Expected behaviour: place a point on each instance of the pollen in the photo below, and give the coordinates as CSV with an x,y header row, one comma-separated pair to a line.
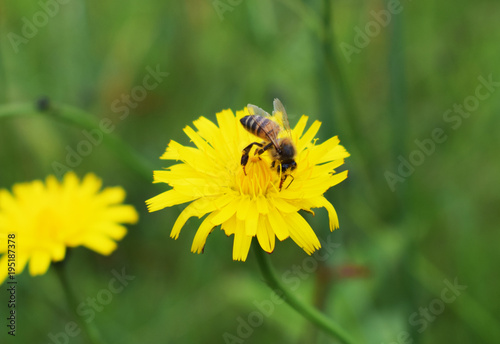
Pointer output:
x,y
259,179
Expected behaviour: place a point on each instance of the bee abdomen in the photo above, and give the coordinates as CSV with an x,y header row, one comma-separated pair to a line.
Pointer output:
x,y
254,125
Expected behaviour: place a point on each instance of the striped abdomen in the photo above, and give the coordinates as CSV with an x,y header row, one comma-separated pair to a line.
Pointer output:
x,y
261,127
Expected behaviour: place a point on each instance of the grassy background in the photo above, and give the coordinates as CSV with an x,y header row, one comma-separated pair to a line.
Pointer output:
x,y
440,223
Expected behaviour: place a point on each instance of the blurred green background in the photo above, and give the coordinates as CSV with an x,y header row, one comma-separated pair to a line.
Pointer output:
x,y
380,84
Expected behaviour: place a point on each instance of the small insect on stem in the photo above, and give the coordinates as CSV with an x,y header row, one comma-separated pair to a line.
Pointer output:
x,y
43,103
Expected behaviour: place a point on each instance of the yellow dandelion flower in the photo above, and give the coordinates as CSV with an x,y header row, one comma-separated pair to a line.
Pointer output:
x,y
249,204
47,218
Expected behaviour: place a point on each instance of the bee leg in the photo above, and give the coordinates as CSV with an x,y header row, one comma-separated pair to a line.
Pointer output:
x,y
262,150
284,179
246,152
266,147
291,181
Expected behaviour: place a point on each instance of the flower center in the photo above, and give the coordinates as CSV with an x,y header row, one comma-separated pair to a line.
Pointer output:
x,y
259,178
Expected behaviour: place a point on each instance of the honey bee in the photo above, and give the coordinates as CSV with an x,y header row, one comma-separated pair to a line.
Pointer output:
x,y
282,149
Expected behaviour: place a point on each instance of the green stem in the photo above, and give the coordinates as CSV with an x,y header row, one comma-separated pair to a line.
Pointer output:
x,y
398,108
349,117
90,328
351,114
82,119
307,311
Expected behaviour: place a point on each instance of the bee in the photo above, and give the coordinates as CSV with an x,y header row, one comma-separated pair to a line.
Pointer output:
x,y
282,149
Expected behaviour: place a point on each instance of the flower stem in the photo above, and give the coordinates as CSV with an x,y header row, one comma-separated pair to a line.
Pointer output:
x,y
82,119
307,311
90,328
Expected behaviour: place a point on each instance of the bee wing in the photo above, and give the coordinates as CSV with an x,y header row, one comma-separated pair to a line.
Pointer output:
x,y
280,109
272,135
255,110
